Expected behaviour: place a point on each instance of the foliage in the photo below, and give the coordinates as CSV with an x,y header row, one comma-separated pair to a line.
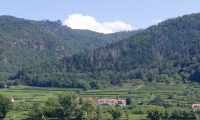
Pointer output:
x,y
21,106
2,85
99,112
5,105
69,104
50,108
155,112
182,114
36,111
65,106
127,114
117,113
128,101
158,101
88,106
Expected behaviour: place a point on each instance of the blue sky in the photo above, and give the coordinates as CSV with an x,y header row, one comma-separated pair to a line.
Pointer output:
x,y
100,15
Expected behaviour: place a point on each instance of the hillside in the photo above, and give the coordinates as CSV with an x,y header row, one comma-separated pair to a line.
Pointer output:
x,y
26,43
82,40
23,44
166,53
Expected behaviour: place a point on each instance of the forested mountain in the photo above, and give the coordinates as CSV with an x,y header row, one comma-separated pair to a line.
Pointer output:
x,y
167,52
25,43
82,40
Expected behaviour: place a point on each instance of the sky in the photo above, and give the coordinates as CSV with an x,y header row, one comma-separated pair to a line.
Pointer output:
x,y
105,16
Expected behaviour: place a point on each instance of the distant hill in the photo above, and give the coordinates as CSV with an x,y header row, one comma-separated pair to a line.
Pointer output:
x,y
82,40
166,53
26,43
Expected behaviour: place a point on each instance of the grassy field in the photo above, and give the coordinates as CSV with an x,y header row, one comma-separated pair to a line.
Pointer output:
x,y
179,95
17,115
33,94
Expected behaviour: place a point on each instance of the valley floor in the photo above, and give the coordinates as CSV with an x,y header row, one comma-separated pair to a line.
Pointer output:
x,y
177,96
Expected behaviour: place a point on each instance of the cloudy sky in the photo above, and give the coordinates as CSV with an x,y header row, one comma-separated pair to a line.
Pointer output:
x,y
105,16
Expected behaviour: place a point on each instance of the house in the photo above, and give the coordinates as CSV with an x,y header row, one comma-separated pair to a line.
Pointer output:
x,y
111,102
195,106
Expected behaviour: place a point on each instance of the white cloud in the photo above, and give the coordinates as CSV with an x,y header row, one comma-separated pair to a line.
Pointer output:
x,y
156,21
78,21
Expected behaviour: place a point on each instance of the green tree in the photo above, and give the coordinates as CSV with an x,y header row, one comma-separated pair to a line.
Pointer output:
x,y
5,105
50,108
99,113
127,114
86,86
128,101
36,111
2,84
155,112
158,101
89,106
99,86
177,78
69,104
167,114
117,113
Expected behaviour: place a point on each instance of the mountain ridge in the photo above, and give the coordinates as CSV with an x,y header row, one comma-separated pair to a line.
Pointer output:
x,y
155,54
26,43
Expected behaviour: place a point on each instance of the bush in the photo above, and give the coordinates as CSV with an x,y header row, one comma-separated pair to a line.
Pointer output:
x,y
2,84
138,111
181,114
5,105
155,112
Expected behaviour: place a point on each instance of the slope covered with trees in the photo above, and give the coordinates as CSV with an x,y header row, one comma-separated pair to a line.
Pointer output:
x,y
82,40
25,43
168,52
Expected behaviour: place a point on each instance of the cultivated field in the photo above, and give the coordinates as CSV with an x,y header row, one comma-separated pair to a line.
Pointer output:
x,y
179,96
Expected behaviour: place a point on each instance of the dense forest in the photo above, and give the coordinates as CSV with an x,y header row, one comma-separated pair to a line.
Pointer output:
x,y
82,40
163,53
25,43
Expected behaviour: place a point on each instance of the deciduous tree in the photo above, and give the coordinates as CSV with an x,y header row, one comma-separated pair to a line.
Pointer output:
x,y
68,104
89,106
36,111
155,112
99,113
128,101
5,105
117,113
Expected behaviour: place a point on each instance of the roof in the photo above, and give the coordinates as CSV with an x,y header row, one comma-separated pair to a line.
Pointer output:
x,y
195,104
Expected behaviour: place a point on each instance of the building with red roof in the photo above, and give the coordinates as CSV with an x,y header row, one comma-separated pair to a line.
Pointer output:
x,y
195,106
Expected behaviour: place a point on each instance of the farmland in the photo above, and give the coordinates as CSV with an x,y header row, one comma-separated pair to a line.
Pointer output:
x,y
176,96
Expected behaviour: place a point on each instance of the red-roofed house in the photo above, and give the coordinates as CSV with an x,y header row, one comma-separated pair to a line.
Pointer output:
x,y
196,106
